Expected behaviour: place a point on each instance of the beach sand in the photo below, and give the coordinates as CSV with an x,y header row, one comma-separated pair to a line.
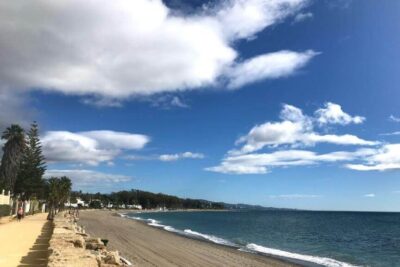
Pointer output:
x,y
148,246
25,243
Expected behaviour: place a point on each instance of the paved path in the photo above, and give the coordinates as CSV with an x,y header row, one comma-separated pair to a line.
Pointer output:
x,y
25,243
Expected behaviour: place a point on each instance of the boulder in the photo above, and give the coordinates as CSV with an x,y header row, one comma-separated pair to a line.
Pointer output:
x,y
79,242
94,244
112,257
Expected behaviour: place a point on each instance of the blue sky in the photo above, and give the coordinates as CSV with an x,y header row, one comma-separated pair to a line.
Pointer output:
x,y
287,103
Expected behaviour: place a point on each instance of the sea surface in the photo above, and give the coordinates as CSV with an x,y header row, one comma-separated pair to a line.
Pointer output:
x,y
310,237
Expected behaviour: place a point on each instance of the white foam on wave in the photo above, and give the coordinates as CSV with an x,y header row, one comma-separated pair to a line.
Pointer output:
x,y
136,218
155,223
171,229
211,238
328,262
285,254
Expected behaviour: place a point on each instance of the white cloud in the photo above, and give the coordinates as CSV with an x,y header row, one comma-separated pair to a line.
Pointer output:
x,y
293,131
394,118
333,114
90,147
167,101
122,140
237,169
90,180
102,102
268,66
259,163
13,109
295,196
385,158
296,129
244,18
393,133
369,195
177,102
302,17
185,155
166,157
111,50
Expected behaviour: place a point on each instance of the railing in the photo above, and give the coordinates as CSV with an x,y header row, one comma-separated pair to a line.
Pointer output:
x,y
4,199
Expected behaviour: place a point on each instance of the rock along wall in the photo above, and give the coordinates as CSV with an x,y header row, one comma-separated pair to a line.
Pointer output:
x,y
70,246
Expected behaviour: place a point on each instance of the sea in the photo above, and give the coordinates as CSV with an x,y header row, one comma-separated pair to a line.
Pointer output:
x,y
311,238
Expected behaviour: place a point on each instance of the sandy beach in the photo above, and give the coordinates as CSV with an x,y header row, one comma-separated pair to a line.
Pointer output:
x,y
25,243
148,246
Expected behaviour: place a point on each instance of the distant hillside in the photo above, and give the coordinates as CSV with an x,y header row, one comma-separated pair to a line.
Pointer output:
x,y
249,207
149,200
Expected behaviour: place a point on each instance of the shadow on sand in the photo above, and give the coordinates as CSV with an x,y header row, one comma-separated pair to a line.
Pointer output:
x,y
39,252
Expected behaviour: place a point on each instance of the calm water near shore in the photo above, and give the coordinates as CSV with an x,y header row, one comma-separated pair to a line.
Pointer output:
x,y
322,238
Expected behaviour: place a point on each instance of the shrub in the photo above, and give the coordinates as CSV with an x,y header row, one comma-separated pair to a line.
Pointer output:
x,y
95,205
5,210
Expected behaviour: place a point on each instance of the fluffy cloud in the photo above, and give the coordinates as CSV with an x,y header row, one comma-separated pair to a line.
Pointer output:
x,y
259,163
394,118
302,17
271,65
385,158
167,157
115,49
333,114
92,181
185,155
90,147
296,129
369,195
111,139
244,18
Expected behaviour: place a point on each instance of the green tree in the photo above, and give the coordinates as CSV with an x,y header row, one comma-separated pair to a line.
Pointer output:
x,y
12,154
58,191
30,176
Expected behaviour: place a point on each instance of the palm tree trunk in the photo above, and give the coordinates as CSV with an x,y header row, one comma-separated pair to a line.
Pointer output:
x,y
50,216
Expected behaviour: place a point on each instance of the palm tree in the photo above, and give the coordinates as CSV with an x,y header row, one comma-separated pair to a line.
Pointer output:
x,y
59,190
13,151
52,185
65,187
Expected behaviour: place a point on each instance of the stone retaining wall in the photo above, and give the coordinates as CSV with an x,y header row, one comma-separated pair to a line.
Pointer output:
x,y
70,246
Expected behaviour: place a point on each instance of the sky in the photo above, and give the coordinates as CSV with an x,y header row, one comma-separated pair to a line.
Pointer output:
x,y
281,103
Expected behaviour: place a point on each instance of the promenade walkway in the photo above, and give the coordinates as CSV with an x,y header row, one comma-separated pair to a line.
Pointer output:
x,y
25,243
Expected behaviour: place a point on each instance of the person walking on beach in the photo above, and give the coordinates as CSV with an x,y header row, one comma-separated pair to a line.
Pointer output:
x,y
20,213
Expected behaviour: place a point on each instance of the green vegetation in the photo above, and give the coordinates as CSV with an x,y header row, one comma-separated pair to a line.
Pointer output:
x,y
12,154
5,210
30,176
58,191
147,200
22,169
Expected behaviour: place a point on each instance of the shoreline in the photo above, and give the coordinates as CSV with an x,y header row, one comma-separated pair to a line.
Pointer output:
x,y
145,245
282,255
233,246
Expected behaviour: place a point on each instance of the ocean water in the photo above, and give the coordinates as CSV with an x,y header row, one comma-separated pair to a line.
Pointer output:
x,y
313,238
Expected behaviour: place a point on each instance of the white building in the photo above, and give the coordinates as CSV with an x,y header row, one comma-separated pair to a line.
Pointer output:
x,y
136,207
79,202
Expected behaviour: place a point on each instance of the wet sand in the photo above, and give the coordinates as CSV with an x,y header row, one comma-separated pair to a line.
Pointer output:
x,y
144,245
